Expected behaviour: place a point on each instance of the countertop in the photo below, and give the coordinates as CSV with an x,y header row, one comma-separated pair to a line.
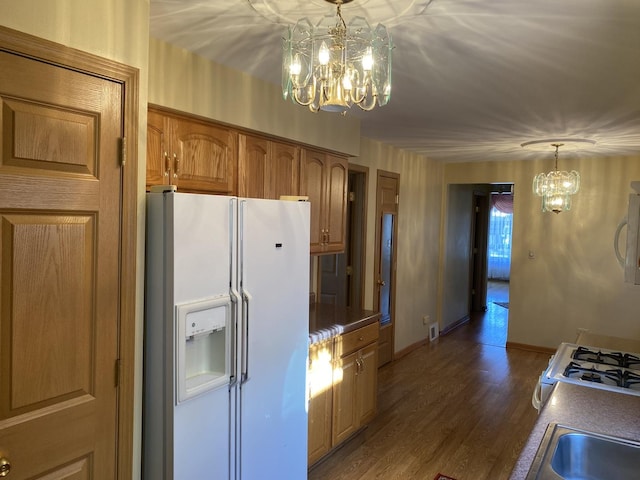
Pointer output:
x,y
590,409
324,317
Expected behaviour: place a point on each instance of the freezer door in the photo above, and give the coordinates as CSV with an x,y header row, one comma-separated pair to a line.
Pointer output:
x,y
274,284
199,266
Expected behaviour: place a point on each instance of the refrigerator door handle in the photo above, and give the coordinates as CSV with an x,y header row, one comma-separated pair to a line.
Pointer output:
x,y
235,296
244,373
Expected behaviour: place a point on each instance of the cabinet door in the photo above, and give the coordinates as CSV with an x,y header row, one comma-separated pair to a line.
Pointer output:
x,y
204,157
252,166
336,204
312,184
344,405
367,383
283,170
320,376
158,165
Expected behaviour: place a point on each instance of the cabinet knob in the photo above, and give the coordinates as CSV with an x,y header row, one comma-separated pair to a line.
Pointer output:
x,y
5,467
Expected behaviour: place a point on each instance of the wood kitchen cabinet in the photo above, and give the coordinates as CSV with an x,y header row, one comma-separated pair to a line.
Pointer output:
x,y
193,154
354,393
323,178
343,383
267,168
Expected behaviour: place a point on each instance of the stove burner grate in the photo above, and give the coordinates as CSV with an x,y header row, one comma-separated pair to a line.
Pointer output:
x,y
615,359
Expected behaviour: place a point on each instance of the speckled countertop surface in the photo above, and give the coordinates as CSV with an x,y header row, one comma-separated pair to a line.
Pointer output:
x,y
590,409
323,316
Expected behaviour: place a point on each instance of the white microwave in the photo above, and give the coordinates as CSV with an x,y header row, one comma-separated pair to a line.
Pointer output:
x,y
630,261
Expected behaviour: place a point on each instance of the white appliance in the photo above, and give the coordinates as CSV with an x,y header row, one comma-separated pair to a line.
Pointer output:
x,y
226,338
592,367
630,261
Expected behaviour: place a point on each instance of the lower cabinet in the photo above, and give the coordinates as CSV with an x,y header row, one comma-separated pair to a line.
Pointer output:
x,y
339,409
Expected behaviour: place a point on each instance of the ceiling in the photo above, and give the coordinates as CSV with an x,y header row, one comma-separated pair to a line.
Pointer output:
x,y
472,79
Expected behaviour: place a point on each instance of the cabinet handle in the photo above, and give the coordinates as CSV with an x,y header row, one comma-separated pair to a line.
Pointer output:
x,y
167,166
176,166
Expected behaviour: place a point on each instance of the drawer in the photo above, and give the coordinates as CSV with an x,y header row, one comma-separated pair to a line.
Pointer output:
x,y
352,341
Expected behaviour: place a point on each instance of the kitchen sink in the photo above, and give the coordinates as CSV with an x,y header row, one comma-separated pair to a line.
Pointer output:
x,y
573,454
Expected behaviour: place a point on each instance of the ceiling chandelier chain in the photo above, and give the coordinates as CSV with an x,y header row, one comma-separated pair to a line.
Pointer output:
x,y
556,187
334,64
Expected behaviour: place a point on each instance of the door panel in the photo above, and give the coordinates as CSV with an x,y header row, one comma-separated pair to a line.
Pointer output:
x,y
385,260
60,233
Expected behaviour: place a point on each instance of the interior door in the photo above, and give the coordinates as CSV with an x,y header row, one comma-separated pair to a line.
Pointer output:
x,y
479,235
385,261
60,297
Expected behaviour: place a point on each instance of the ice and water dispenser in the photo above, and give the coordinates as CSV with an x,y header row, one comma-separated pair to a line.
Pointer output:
x,y
203,346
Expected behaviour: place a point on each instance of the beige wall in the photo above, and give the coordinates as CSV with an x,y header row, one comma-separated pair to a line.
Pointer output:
x,y
574,281
418,236
455,299
113,29
187,82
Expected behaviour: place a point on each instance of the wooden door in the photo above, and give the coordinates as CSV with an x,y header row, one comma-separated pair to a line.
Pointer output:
x,y
253,155
385,260
284,170
204,157
60,290
158,160
479,235
312,184
336,204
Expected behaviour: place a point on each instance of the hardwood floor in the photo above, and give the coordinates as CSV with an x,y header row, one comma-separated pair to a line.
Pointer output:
x,y
460,406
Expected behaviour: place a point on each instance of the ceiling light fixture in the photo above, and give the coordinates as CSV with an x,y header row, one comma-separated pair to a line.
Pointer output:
x,y
556,187
335,65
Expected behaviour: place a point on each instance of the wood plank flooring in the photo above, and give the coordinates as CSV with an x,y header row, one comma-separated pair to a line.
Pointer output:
x,y
460,406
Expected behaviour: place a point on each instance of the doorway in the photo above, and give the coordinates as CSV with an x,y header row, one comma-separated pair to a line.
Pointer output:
x,y
490,261
342,275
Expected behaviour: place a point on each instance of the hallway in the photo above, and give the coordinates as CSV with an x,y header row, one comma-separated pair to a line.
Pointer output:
x,y
459,406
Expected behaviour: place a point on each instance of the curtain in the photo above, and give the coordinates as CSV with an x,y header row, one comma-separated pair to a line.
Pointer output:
x,y
500,224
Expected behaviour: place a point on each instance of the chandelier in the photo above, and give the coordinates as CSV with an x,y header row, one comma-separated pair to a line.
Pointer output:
x,y
335,65
556,187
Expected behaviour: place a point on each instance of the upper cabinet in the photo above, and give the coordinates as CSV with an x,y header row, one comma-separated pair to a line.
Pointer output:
x,y
266,168
205,157
323,178
194,155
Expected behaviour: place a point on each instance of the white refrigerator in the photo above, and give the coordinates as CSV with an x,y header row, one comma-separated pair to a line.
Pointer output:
x,y
226,338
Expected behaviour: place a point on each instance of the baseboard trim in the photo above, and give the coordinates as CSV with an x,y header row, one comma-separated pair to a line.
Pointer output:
x,y
406,351
530,348
455,325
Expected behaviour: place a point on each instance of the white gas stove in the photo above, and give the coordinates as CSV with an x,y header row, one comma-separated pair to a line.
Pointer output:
x,y
590,367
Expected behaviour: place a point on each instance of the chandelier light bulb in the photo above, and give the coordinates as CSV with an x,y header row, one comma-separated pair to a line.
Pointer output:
x,y
367,60
323,54
295,68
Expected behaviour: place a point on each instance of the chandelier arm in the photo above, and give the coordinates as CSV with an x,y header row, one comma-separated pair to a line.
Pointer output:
x,y
367,107
298,99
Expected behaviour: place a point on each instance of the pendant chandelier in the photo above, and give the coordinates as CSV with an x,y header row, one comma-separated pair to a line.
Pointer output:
x,y
556,187
334,65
